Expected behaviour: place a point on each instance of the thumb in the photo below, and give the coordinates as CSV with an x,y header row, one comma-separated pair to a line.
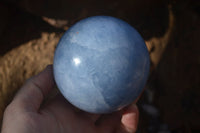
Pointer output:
x,y
31,95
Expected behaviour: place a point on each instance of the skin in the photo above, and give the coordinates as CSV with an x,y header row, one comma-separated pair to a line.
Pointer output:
x,y
27,113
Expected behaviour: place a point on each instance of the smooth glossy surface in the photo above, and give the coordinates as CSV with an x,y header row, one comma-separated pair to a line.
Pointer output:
x,y
101,64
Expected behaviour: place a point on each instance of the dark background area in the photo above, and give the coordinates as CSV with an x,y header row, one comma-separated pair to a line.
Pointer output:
x,y
30,31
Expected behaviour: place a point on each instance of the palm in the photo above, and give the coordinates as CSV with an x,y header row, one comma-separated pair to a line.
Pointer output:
x,y
58,116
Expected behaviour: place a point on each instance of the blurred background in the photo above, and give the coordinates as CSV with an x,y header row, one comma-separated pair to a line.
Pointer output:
x,y
31,29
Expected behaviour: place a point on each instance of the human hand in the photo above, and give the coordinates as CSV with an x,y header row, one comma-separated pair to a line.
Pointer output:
x,y
27,113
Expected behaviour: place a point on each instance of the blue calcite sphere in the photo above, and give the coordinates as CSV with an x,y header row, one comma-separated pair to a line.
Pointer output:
x,y
101,64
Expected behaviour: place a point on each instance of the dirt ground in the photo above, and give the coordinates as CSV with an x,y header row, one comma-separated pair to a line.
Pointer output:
x,y
31,29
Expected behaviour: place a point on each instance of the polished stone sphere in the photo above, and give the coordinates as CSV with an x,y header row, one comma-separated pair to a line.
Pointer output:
x,y
101,64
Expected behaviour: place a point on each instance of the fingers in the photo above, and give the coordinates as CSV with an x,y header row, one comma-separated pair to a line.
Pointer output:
x,y
90,116
130,119
31,95
109,123
124,121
